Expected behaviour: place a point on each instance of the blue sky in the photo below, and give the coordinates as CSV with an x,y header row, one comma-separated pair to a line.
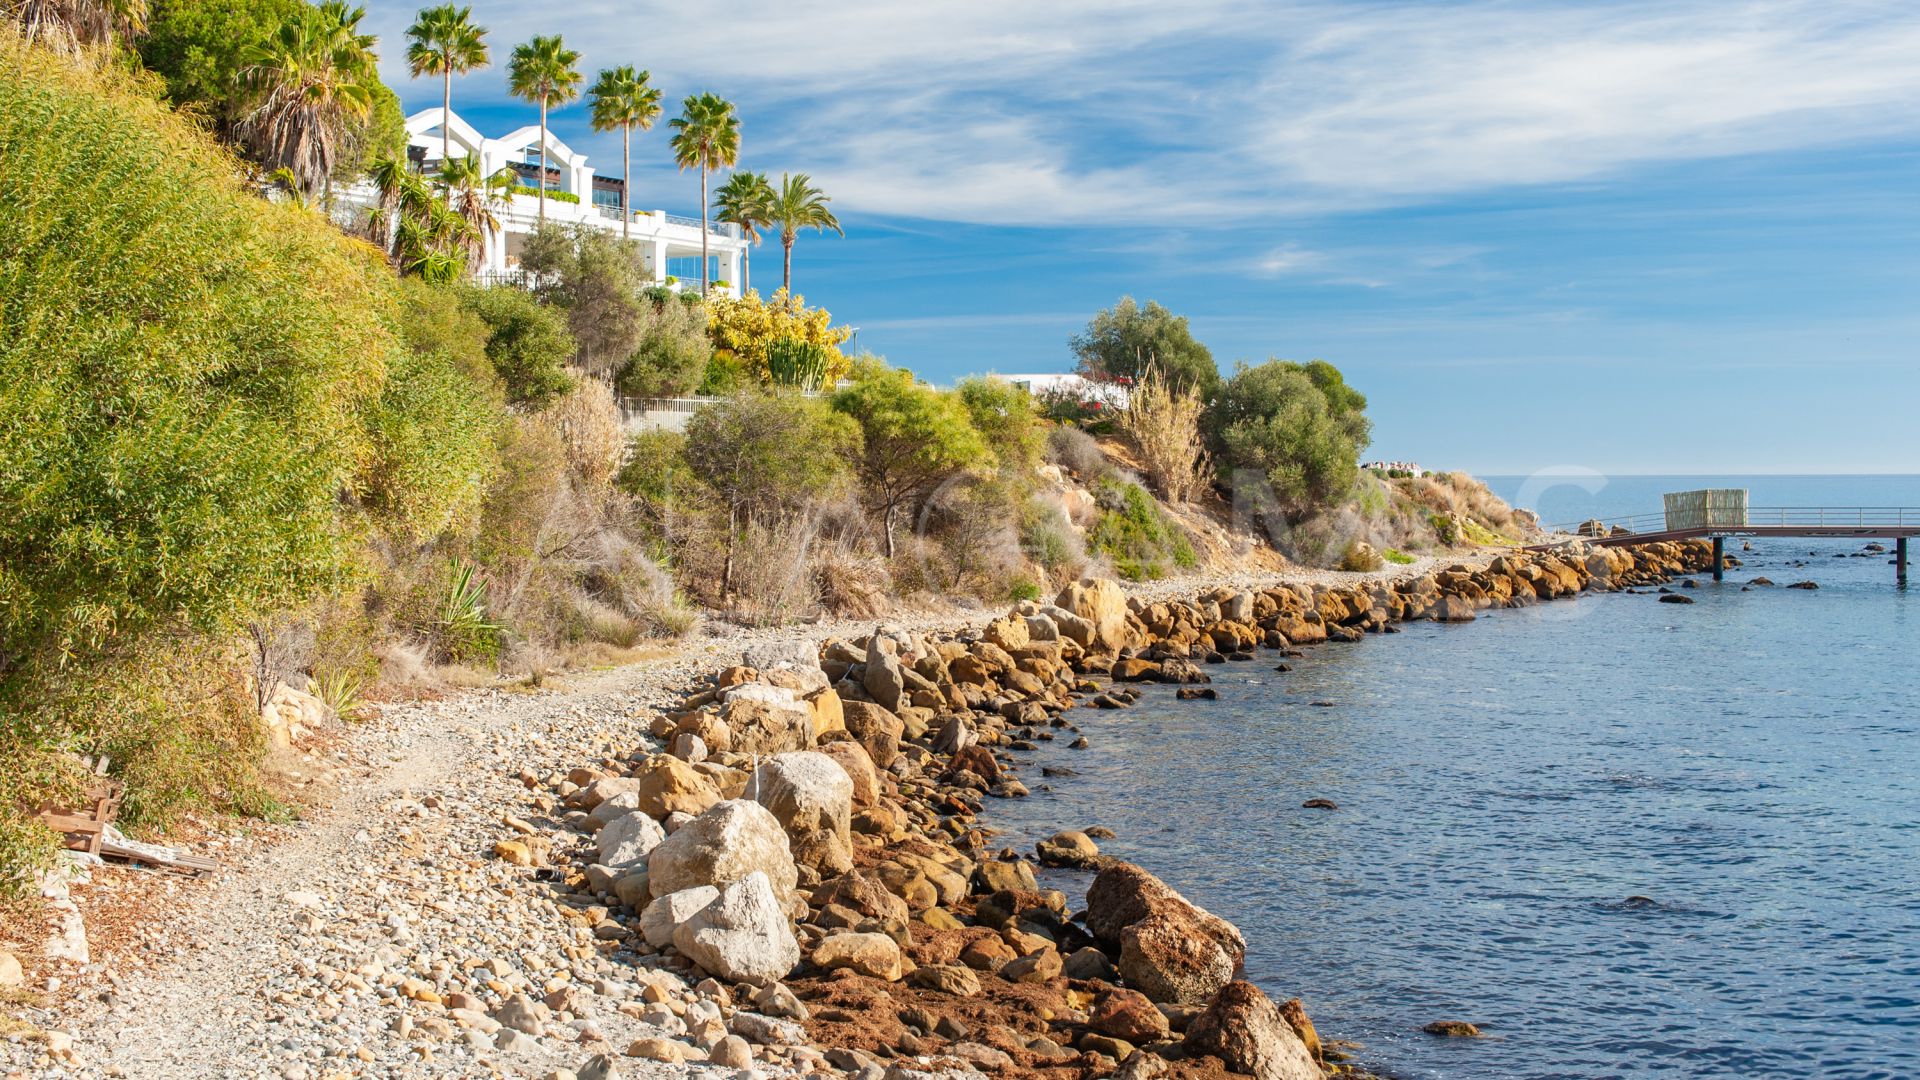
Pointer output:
x,y
1632,237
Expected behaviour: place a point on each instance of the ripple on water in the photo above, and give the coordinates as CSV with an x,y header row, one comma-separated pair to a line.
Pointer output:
x,y
1506,792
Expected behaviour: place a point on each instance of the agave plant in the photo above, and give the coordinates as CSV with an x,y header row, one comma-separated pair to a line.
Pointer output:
x,y
464,627
339,689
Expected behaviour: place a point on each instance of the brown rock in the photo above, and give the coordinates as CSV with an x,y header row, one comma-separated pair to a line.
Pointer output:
x,y
876,729
1244,1029
1170,957
947,979
669,785
1129,1015
859,765
1296,1016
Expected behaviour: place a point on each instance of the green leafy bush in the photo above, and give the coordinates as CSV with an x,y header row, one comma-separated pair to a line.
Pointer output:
x,y
672,355
1143,543
1297,425
526,342
1397,557
553,195
184,369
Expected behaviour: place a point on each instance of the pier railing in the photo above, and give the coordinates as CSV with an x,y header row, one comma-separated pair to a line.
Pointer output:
x,y
1769,517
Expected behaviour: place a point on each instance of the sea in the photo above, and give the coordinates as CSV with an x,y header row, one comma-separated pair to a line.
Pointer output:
x,y
1623,838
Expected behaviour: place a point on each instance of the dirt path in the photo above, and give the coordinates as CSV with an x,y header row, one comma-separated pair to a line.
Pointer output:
x,y
377,937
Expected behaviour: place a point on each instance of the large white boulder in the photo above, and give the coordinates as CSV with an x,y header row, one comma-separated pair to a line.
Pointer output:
x,y
727,842
812,797
666,913
742,936
627,840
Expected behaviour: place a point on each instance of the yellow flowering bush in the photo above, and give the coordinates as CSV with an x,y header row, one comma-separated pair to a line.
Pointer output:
x,y
745,328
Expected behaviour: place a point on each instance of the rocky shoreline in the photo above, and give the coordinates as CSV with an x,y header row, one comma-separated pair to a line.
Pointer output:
x,y
790,875
808,841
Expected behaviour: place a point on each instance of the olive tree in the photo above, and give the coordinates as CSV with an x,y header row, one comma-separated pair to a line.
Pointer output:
x,y
1123,340
765,456
914,439
1299,425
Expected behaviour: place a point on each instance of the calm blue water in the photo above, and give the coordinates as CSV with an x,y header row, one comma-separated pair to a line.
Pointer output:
x,y
1747,762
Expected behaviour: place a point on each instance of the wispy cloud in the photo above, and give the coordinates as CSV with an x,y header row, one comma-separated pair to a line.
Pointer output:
x,y
1211,111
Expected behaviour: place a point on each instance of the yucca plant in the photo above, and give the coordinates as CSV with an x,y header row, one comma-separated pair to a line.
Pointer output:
x,y
798,364
465,630
339,689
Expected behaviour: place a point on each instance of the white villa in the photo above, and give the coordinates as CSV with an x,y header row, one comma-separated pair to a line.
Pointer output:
x,y
671,242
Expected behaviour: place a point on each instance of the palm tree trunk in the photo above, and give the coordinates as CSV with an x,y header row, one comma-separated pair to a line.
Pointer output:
x,y
446,123
786,275
543,159
704,276
626,181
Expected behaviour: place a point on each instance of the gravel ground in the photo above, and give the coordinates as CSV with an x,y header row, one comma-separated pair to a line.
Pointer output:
x,y
319,949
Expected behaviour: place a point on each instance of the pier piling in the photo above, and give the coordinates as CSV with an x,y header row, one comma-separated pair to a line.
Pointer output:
x,y
1719,558
1900,561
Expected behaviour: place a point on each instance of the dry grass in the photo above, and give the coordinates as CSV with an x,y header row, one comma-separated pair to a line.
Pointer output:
x,y
1165,426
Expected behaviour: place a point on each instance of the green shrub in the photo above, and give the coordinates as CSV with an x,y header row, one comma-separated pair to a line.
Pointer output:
x,y
1136,534
1360,558
1397,557
1024,590
671,358
797,364
552,195
183,371
526,342
1300,426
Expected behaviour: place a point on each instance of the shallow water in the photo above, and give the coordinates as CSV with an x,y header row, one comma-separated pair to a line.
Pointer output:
x,y
1746,763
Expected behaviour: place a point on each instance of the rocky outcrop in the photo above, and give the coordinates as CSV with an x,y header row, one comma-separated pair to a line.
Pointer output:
x,y
731,841
766,720
742,935
1244,1029
812,798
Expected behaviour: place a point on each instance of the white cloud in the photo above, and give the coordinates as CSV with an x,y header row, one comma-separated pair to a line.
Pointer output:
x,y
1219,111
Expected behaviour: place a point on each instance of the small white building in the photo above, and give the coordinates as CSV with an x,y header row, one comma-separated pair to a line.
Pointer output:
x,y
1112,395
671,242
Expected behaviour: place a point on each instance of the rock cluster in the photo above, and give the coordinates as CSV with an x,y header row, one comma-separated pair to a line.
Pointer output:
x,y
809,837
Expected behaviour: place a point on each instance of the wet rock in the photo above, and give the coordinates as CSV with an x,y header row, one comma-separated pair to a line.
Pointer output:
x,y
1245,1030
1319,804
1296,1017
1676,598
1452,1029
743,936
1804,585
1068,849
1197,693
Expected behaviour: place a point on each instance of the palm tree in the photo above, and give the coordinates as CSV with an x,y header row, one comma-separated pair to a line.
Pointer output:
x,y
707,136
543,70
69,25
474,198
446,43
314,75
799,205
424,235
624,99
746,200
